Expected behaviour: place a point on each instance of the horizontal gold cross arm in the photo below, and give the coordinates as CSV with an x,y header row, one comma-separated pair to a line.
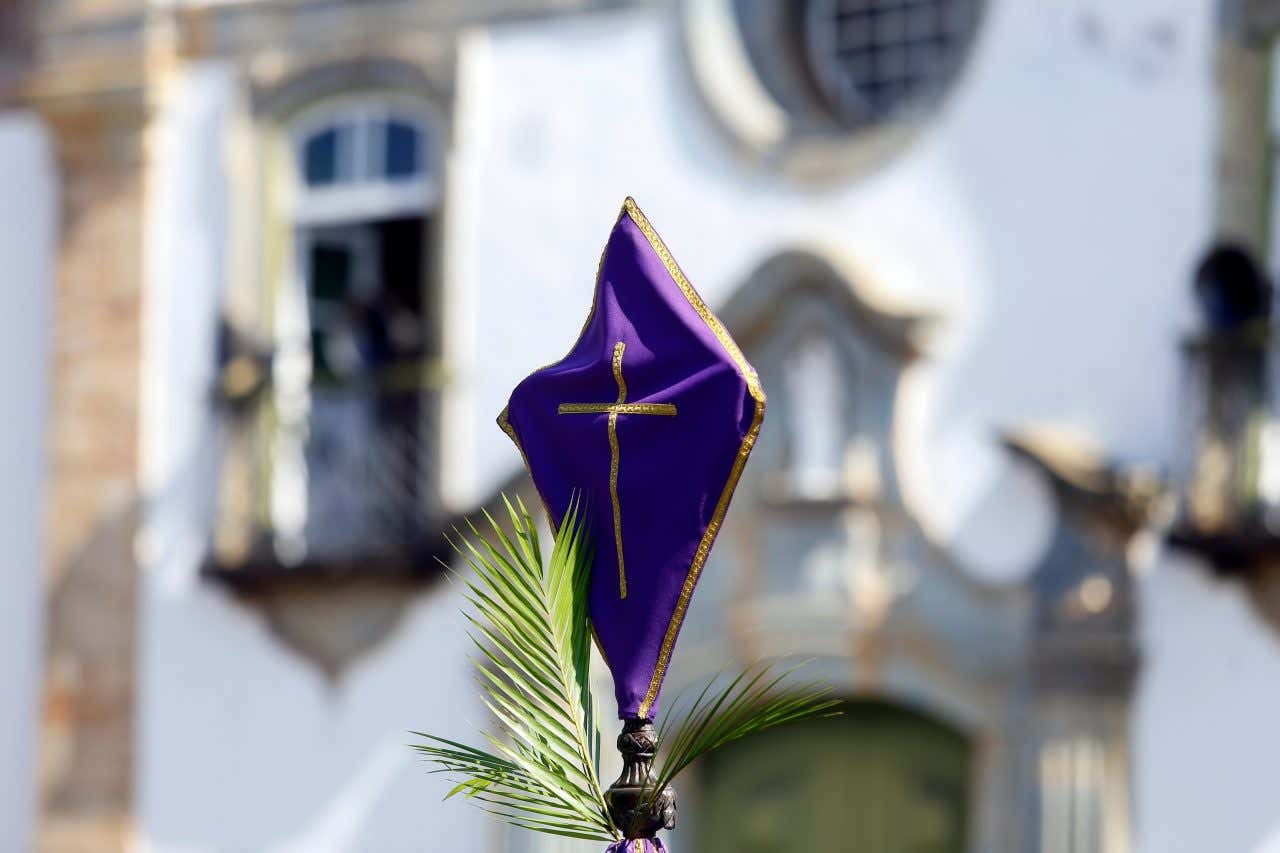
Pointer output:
x,y
666,409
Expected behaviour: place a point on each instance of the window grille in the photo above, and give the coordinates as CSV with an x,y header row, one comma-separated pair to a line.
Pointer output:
x,y
877,60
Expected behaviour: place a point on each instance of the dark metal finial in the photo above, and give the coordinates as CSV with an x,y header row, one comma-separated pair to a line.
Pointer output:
x,y
638,743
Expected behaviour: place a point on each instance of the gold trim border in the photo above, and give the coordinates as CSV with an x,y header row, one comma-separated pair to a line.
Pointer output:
x,y
744,450
505,425
614,453
630,208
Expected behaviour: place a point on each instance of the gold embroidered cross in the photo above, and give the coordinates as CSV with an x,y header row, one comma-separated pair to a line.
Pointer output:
x,y
621,407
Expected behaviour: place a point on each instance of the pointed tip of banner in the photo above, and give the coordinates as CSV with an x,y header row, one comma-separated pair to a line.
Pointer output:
x,y
629,206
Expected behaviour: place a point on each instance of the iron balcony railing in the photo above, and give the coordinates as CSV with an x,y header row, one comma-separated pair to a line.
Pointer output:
x,y
1227,470
330,477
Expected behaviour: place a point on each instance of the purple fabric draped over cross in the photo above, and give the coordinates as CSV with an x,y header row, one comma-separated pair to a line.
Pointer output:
x,y
651,415
638,845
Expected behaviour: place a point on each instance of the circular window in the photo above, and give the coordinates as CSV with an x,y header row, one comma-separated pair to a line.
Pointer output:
x,y
819,86
874,60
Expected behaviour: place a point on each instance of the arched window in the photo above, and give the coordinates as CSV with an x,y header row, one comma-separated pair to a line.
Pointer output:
x,y
816,431
876,61
818,86
880,778
823,476
328,502
354,450
364,157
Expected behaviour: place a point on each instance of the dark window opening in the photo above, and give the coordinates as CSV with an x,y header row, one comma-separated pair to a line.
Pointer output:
x,y
402,156
363,150
370,443
321,158
365,284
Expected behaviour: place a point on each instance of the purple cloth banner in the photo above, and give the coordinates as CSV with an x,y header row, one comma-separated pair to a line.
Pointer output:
x,y
651,415
638,845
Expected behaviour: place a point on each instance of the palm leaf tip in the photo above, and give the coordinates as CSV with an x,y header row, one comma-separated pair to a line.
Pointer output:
x,y
760,697
530,629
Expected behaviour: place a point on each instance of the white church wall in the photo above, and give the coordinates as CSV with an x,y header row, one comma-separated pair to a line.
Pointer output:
x,y
1052,213
1209,696
28,222
242,745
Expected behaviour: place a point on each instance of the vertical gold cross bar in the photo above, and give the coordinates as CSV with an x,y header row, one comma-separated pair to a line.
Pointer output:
x,y
620,407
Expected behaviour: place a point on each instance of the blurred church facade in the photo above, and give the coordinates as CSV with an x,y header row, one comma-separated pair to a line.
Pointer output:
x,y
300,251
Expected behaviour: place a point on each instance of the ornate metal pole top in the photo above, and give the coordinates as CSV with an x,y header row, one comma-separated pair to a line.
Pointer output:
x,y
626,797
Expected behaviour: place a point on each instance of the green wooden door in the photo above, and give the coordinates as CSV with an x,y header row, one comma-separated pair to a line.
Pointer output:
x,y
881,779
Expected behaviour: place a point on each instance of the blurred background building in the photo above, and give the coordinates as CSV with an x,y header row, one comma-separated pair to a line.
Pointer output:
x,y
272,267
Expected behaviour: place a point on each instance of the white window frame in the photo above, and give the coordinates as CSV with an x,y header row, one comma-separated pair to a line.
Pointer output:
x,y
360,200
362,197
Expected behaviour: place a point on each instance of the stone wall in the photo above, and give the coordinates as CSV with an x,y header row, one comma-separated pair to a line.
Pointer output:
x,y
86,742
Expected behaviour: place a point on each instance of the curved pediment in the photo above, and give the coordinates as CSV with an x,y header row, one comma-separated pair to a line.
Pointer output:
x,y
790,274
819,534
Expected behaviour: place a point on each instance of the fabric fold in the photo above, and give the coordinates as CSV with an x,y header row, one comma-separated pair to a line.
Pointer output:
x,y
651,416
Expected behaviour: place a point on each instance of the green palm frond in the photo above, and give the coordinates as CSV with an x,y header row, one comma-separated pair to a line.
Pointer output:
x,y
530,620
531,629
760,697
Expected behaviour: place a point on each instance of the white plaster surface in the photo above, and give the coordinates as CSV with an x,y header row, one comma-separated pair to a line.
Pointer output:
x,y
1207,704
1051,214
28,224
